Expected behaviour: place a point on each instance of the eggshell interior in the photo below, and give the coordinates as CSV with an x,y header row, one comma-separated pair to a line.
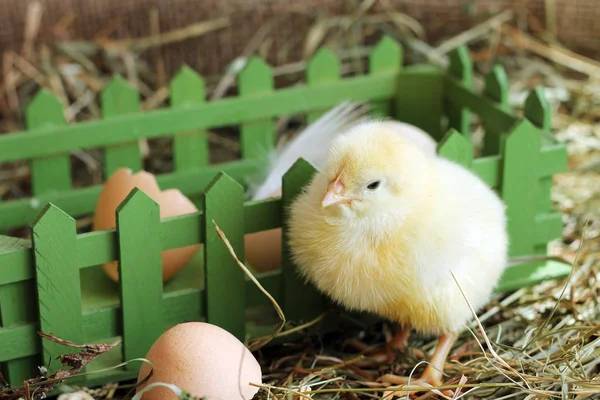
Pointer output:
x,y
263,249
172,202
203,360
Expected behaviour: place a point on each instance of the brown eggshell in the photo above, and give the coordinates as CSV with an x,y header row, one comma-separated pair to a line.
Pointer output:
x,y
172,202
203,360
263,249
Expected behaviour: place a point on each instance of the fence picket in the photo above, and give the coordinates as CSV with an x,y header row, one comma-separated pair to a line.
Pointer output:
x,y
323,67
538,112
456,147
58,281
496,89
461,68
385,58
17,306
300,301
48,173
140,273
190,149
257,137
520,186
225,280
119,98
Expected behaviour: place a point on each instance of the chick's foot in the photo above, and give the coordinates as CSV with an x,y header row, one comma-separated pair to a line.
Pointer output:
x,y
385,354
432,375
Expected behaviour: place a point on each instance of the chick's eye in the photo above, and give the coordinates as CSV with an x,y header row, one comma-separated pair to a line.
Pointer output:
x,y
373,185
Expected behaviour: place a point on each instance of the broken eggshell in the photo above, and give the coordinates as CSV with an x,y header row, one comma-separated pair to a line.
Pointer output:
x,y
172,202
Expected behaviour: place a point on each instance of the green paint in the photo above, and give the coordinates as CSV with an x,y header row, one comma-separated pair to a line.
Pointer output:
x,y
385,58
119,98
322,69
57,276
257,137
495,89
140,273
461,68
301,301
456,147
225,297
190,149
49,172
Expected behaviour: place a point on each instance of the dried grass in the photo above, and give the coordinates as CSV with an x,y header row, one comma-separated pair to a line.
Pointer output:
x,y
541,342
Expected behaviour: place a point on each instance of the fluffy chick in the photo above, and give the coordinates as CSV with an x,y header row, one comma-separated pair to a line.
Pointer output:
x,y
381,226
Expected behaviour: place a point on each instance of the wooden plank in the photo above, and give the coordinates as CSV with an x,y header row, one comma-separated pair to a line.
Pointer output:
x,y
48,173
519,187
257,137
456,147
140,274
323,68
496,90
301,301
385,58
419,98
58,282
225,288
461,68
190,149
162,122
461,96
82,201
119,98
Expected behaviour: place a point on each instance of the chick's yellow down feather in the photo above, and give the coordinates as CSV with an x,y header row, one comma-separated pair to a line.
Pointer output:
x,y
383,223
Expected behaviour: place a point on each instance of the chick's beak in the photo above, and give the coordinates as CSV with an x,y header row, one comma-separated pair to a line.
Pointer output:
x,y
334,195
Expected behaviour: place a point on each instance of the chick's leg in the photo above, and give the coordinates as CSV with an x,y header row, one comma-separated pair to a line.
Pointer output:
x,y
385,354
434,371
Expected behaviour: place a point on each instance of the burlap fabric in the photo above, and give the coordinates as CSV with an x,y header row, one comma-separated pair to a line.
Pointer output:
x,y
577,22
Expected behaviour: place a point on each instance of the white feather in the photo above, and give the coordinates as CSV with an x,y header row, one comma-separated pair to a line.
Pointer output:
x,y
311,144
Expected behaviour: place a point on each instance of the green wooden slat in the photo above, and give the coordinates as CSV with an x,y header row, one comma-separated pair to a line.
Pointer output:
x,y
80,202
190,149
419,98
225,289
323,67
519,186
163,122
495,89
17,306
58,283
531,274
140,273
385,58
119,98
456,147
461,67
461,96
257,137
262,215
47,173
301,301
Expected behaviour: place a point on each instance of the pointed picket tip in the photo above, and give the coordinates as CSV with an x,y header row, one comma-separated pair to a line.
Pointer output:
x,y
187,86
387,54
456,147
323,60
496,85
537,108
118,84
222,180
524,133
256,76
45,107
186,77
300,168
53,216
136,200
461,65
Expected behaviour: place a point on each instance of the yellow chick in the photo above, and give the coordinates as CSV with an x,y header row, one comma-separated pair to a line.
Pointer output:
x,y
383,223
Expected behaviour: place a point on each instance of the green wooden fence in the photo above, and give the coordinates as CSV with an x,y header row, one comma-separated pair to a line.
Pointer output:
x,y
55,282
